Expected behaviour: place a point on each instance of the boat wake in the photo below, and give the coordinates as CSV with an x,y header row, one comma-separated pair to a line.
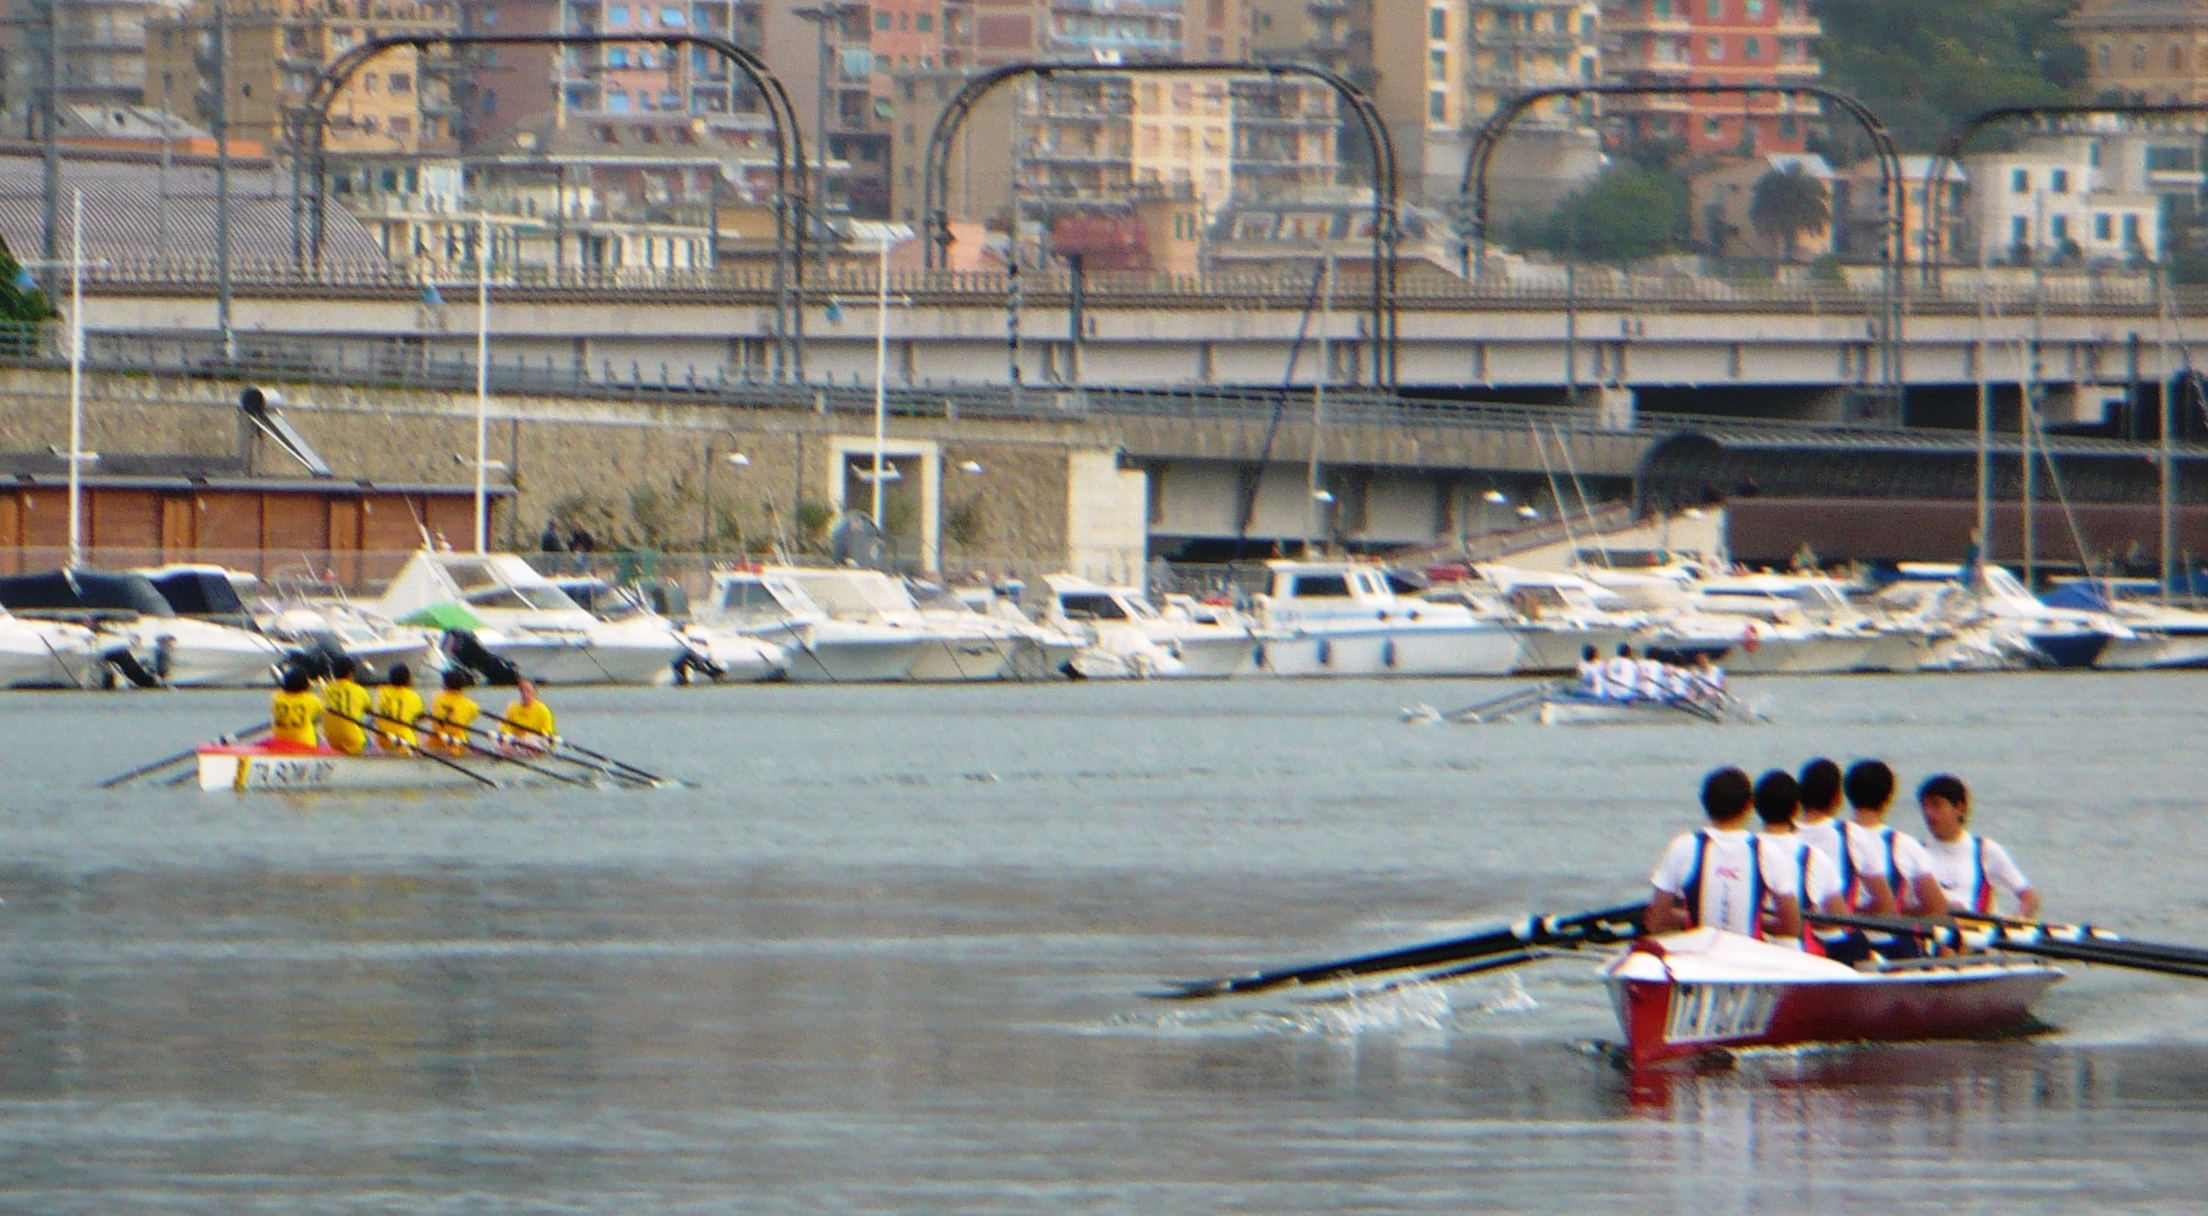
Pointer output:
x,y
1410,1007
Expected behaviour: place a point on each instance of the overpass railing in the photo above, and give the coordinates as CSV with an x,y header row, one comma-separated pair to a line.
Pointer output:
x,y
854,285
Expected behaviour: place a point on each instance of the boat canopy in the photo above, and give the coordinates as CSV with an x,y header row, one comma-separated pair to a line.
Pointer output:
x,y
65,591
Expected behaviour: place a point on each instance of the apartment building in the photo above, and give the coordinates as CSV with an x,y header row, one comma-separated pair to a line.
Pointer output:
x,y
1761,43
275,53
102,52
2084,197
2144,51
507,91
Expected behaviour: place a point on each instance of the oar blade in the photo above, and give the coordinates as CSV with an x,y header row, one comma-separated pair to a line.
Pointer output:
x,y
1602,927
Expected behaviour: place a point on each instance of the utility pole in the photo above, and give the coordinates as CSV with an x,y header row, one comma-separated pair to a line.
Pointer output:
x,y
50,135
222,181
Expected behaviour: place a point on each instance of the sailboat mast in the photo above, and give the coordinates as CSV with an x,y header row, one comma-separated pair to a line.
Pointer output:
x,y
2169,438
1985,404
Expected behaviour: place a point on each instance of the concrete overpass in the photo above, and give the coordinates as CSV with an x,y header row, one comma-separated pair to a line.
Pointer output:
x,y
1772,351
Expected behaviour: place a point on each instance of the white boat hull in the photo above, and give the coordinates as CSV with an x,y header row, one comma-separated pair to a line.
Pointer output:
x,y
33,657
566,658
1573,711
1412,651
245,771
817,656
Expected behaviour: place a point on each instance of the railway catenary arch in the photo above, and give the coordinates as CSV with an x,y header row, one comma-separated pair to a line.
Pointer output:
x,y
792,189
1386,230
1473,187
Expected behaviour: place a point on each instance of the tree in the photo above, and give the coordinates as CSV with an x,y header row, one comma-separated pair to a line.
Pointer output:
x,y
20,310
1787,205
1925,66
1624,215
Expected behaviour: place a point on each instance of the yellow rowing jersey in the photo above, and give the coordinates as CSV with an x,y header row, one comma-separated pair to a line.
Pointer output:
x,y
397,709
292,716
530,721
449,717
347,705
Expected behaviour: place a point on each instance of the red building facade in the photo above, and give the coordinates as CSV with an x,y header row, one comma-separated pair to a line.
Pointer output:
x,y
1760,43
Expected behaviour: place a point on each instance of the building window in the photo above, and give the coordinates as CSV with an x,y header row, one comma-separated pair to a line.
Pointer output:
x,y
1751,48
2177,58
617,57
617,102
1437,63
617,15
2104,226
1716,9
2059,182
1755,10
2101,57
490,101
2138,56
882,22
1437,24
925,23
1713,49
402,82
2020,181
2131,228
1712,127
1437,106
671,18
2020,232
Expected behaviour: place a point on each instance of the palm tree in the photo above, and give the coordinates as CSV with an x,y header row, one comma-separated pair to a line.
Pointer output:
x,y
1788,204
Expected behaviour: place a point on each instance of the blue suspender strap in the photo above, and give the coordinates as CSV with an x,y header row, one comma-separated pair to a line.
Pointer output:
x,y
1692,896
1847,867
1755,889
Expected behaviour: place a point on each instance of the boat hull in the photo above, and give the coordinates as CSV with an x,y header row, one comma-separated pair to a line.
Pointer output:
x,y
824,660
1482,651
248,770
1677,1006
1586,711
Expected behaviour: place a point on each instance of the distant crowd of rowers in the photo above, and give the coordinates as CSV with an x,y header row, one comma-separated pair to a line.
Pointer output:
x,y
1807,856
1625,679
339,714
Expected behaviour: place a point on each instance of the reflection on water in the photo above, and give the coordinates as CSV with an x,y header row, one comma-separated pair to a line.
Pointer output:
x,y
850,976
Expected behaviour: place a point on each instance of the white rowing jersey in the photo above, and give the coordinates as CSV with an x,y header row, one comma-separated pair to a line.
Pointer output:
x,y
1897,856
1866,855
1624,676
1722,878
1652,679
1590,678
1817,876
1971,868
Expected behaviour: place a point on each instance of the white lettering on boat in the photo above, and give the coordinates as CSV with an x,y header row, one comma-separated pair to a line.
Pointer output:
x,y
281,774
1703,1013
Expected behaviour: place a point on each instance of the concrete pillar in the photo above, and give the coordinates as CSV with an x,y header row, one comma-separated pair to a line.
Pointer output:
x,y
1614,407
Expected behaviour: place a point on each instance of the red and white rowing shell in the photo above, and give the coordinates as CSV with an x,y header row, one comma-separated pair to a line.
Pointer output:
x,y
1683,994
274,768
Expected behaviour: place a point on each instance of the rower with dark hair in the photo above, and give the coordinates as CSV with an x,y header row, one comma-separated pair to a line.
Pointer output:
x,y
345,725
450,713
1591,682
1968,867
294,711
1778,800
1721,876
398,708
1623,674
1895,855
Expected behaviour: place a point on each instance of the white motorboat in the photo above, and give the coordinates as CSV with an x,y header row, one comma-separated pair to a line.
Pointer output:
x,y
47,654
1795,625
2161,635
1045,652
1346,619
959,645
140,634
748,608
1558,616
498,604
716,655
1127,637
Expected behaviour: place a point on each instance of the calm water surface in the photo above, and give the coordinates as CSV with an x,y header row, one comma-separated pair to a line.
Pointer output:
x,y
886,960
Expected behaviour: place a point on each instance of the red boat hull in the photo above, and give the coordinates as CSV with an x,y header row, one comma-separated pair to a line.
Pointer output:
x,y
1674,1017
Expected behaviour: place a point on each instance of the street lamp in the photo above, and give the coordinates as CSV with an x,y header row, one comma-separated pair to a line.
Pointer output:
x,y
887,237
76,455
736,460
482,375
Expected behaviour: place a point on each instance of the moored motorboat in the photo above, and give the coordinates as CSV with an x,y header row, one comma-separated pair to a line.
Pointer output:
x,y
748,608
1347,619
1682,995
47,654
496,605
1126,637
140,633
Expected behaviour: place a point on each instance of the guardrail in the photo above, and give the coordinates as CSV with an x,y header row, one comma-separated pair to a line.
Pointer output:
x,y
1228,287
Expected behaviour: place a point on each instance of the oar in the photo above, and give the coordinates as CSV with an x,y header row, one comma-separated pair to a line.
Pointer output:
x,y
2141,956
1512,701
425,753
187,754
484,752
607,763
1568,932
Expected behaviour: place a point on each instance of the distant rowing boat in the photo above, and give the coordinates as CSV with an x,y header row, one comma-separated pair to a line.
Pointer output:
x,y
1578,709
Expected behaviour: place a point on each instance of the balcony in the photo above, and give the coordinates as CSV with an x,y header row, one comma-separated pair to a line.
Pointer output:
x,y
1504,37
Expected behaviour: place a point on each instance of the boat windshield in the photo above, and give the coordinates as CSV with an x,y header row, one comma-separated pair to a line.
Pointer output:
x,y
524,599
751,601
1320,587
852,594
1090,606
